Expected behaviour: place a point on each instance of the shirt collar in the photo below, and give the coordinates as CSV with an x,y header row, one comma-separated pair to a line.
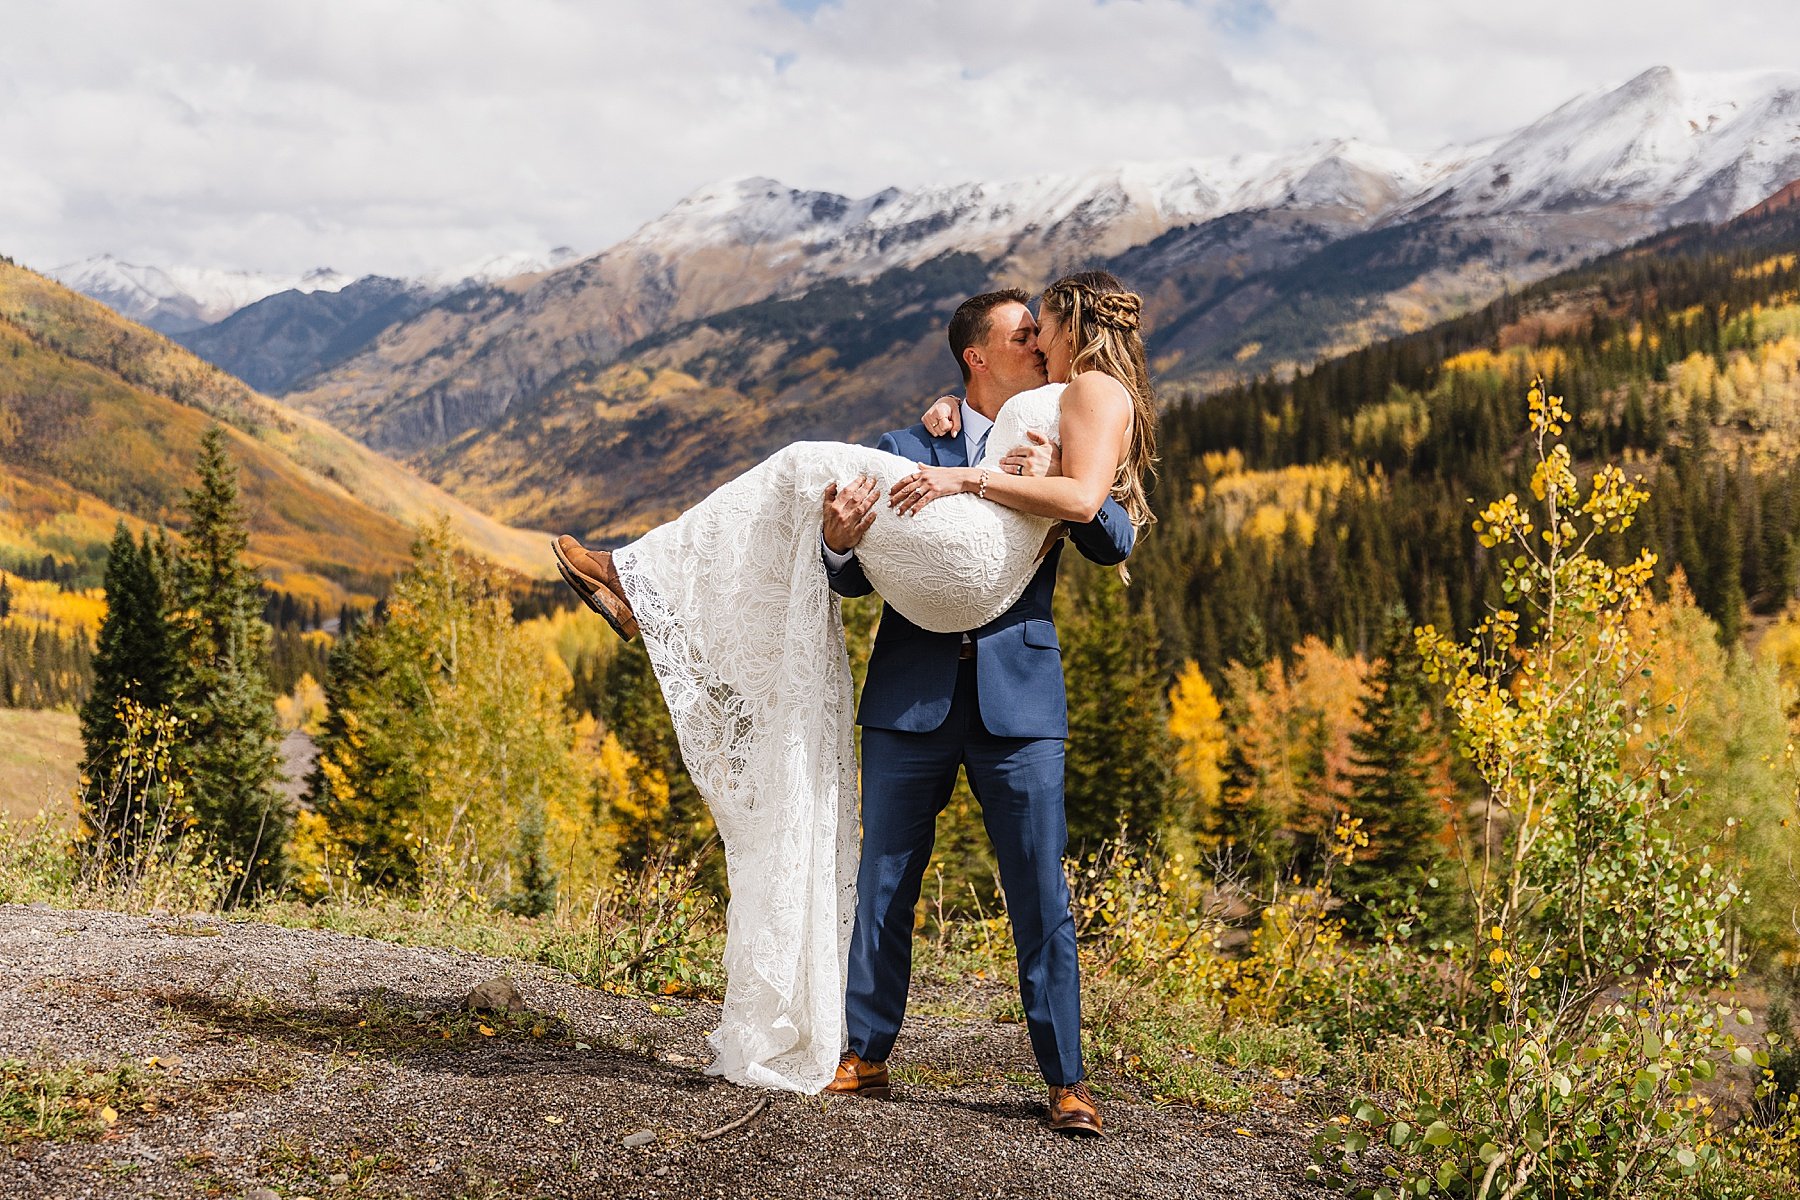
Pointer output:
x,y
975,427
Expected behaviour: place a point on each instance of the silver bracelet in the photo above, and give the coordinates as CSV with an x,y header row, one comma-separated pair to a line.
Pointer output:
x,y
981,492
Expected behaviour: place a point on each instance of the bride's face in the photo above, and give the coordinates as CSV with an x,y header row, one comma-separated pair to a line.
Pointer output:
x,y
1053,340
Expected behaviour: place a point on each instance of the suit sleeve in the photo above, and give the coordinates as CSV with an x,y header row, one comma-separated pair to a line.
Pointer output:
x,y
849,580
1108,538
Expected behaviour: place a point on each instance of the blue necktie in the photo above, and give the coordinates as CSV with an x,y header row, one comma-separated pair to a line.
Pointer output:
x,y
980,446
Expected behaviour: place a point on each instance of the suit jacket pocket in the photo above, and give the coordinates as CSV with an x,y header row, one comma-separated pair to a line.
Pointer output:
x,y
1041,634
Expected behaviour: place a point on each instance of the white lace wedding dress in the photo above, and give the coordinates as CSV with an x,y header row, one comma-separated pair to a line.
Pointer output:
x,y
747,643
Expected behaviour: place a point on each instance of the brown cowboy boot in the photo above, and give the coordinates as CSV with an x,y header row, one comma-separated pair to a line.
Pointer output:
x,y
1072,1110
858,1077
591,574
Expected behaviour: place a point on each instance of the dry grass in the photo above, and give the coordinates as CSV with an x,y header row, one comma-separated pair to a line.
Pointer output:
x,y
39,754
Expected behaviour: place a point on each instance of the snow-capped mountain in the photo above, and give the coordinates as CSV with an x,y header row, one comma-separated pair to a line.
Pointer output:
x,y
1096,213
1675,146
498,267
181,299
177,299
1212,242
1666,146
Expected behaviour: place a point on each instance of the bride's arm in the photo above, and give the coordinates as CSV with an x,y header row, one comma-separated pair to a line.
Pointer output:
x,y
1096,417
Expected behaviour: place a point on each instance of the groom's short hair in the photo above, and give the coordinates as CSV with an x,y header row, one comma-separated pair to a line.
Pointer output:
x,y
974,319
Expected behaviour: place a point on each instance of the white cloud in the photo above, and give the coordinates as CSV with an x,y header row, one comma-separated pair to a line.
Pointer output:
x,y
400,135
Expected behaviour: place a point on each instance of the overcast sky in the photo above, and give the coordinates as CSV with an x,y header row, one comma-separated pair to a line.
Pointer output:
x,y
406,135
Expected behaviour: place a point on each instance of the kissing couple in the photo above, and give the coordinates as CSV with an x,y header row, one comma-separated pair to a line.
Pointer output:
x,y
736,600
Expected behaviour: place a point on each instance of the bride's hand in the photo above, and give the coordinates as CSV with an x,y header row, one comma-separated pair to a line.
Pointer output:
x,y
1042,457
926,484
943,418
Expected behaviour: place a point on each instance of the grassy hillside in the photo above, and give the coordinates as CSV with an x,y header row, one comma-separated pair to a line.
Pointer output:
x,y
39,753
100,419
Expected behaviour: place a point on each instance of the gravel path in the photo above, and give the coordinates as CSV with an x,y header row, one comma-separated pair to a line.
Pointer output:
x,y
319,1065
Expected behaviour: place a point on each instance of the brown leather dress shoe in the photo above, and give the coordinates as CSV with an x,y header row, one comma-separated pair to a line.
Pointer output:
x,y
857,1077
1072,1110
591,574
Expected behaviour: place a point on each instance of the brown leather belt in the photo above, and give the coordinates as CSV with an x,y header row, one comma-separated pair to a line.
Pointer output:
x,y
967,650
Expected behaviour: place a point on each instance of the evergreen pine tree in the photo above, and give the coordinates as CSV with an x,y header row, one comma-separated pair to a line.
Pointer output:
x,y
448,758
131,662
367,792
534,891
1119,764
633,710
1395,772
221,687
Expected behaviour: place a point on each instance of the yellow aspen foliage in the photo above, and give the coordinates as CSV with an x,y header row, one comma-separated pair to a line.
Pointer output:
x,y
312,853
636,797
303,709
1196,722
1290,741
1767,267
39,604
1264,504
449,759
570,636
1780,648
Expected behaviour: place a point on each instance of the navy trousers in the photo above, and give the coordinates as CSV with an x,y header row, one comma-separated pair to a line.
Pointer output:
x,y
906,782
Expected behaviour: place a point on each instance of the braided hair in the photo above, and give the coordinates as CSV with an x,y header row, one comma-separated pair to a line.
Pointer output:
x,y
1101,319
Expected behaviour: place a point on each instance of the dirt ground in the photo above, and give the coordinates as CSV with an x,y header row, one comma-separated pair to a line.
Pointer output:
x,y
312,1064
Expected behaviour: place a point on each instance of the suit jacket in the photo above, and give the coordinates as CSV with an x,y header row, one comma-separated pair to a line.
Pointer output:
x,y
1018,662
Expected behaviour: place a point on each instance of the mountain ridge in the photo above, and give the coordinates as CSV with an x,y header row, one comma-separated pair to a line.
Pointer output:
x,y
99,418
462,366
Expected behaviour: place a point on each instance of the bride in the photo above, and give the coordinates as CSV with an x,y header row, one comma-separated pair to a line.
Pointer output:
x,y
745,637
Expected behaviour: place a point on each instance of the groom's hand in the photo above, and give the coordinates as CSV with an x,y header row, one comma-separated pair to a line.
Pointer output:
x,y
944,417
1041,457
849,511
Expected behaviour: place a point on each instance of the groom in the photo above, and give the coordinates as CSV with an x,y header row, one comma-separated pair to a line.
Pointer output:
x,y
989,701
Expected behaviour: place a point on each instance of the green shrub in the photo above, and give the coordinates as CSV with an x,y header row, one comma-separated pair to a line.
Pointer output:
x,y
1584,1012
158,862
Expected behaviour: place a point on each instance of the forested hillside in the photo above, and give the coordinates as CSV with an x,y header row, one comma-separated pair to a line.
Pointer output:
x,y
1310,507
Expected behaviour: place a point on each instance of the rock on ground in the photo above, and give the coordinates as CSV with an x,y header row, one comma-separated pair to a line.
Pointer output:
x,y
320,1065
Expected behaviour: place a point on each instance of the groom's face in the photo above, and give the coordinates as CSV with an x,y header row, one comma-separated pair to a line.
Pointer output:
x,y
1010,351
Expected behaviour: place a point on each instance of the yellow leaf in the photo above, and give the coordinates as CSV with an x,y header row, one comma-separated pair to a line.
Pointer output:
x,y
485,1030
552,1119
109,1114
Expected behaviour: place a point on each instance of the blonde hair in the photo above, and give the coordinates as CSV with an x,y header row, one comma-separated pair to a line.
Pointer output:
x,y
1100,318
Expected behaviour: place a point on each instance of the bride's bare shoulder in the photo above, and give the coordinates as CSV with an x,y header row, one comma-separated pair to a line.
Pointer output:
x,y
1098,392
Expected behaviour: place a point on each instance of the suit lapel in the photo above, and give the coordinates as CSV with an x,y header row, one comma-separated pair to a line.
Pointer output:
x,y
948,451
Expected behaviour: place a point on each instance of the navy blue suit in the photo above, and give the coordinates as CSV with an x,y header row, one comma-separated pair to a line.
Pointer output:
x,y
1002,717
